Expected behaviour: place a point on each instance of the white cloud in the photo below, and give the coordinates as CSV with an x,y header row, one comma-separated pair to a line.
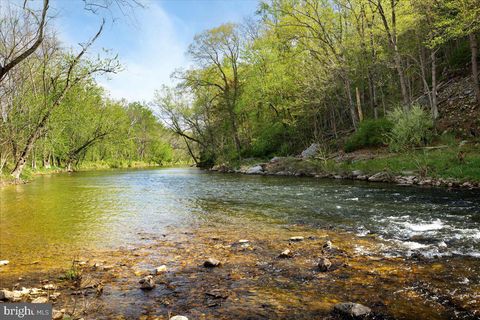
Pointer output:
x,y
157,52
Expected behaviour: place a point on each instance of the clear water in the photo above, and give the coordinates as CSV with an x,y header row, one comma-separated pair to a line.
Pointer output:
x,y
59,214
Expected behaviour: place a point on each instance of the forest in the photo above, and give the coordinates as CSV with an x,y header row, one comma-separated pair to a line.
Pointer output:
x,y
54,114
321,71
346,74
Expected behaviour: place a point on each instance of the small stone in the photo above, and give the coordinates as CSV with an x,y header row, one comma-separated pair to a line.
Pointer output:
x,y
40,300
350,310
49,287
324,264
243,241
178,318
285,254
4,262
297,238
57,314
147,283
161,269
211,263
328,245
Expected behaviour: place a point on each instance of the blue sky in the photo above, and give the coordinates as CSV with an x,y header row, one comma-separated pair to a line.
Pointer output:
x,y
151,42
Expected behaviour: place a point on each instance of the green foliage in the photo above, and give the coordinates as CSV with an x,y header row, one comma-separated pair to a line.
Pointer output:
x,y
272,139
370,133
410,129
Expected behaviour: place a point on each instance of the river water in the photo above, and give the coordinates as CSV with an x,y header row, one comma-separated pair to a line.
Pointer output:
x,y
65,213
407,252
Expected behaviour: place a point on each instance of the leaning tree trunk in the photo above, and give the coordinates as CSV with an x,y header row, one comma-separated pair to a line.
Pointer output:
x,y
474,49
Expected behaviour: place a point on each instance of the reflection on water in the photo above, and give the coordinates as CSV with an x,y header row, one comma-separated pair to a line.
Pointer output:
x,y
66,213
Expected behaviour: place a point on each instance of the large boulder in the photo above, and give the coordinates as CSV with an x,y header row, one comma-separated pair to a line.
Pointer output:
x,y
258,169
311,151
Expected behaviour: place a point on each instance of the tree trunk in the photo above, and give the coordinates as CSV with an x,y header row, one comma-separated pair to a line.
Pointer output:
x,y
474,49
351,104
359,105
434,85
401,76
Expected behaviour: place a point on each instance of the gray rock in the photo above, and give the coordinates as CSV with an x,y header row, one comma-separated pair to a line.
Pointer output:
x,y
147,283
285,254
350,310
380,177
179,318
255,170
311,151
324,264
356,173
211,263
275,159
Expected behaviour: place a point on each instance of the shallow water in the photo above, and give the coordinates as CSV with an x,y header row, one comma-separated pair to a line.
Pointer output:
x,y
66,214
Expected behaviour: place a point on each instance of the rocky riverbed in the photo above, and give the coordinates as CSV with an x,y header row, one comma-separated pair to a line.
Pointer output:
x,y
305,167
242,270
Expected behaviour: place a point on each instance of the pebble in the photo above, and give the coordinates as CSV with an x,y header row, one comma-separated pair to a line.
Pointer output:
x,y
297,238
178,318
328,245
243,241
161,269
147,283
49,287
40,300
57,314
285,254
324,264
211,263
350,310
4,262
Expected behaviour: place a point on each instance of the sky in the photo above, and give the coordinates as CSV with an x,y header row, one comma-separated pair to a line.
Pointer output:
x,y
151,42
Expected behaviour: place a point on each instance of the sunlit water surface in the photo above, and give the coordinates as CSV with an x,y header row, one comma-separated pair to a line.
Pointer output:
x,y
70,213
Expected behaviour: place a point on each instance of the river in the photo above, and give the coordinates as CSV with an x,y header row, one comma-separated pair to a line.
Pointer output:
x,y
56,217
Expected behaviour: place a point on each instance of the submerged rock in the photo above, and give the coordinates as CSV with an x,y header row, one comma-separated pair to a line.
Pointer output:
x,y
178,318
211,263
147,283
297,238
328,245
350,310
40,300
49,287
57,314
324,264
161,269
285,254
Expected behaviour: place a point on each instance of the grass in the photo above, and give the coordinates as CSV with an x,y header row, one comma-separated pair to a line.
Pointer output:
x,y
437,163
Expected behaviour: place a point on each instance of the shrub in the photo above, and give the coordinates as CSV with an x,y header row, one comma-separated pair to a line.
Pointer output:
x,y
370,133
410,129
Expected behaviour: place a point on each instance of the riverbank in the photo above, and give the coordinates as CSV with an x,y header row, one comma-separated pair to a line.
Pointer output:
x,y
264,271
443,166
29,174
